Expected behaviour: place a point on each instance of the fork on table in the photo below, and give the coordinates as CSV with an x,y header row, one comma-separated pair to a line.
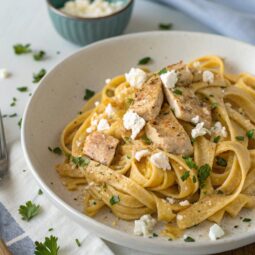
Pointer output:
x,y
3,170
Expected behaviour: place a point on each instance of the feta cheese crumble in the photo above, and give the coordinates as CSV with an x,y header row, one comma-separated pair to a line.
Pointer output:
x,y
199,130
179,217
132,121
195,119
196,64
140,154
89,130
208,76
170,200
160,160
216,232
109,110
144,226
4,73
219,129
136,77
184,203
169,79
103,125
88,8
107,81
97,103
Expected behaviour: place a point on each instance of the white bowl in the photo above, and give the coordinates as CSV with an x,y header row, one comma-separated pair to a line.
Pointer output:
x,y
60,96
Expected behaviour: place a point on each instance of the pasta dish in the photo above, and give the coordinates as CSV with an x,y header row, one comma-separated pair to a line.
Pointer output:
x,y
174,146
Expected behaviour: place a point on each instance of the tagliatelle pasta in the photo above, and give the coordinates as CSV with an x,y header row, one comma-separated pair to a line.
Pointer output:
x,y
216,179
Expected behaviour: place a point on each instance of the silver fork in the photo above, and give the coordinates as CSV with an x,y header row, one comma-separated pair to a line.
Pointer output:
x,y
3,150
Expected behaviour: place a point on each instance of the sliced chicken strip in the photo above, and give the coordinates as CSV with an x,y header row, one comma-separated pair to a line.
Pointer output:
x,y
100,147
168,134
186,106
149,99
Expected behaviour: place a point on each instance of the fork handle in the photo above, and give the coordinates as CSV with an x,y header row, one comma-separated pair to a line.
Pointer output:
x,y
3,249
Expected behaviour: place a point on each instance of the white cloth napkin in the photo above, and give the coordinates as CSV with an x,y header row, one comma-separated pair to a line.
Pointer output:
x,y
18,188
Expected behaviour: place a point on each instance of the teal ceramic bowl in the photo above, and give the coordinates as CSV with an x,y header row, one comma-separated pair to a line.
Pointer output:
x,y
83,31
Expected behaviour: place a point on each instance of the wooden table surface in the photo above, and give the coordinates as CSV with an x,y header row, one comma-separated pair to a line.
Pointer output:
x,y
247,250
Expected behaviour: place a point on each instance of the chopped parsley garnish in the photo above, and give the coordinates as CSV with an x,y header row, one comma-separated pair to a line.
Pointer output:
x,y
216,139
162,71
203,173
110,93
50,229
236,226
155,235
240,138
221,161
38,76
22,89
190,163
246,220
80,161
12,115
194,179
40,192
13,103
21,48
48,247
78,242
130,101
214,105
177,92
146,140
185,176
55,150
189,239
165,26
250,133
144,61
20,122
127,139
39,55
88,94
29,210
114,200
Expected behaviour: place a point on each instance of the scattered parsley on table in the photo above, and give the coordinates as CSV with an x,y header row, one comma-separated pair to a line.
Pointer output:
x,y
39,55
145,61
165,26
38,76
88,94
29,210
48,247
21,48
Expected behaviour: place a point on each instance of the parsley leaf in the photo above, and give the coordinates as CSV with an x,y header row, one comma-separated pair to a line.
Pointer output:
x,y
22,89
114,200
250,133
189,239
13,115
39,55
144,61
221,161
55,150
246,220
80,161
29,210
38,76
162,71
88,94
203,173
13,103
146,139
165,26
214,105
78,242
216,139
177,92
190,163
20,122
21,48
239,138
130,101
40,192
48,247
194,179
185,176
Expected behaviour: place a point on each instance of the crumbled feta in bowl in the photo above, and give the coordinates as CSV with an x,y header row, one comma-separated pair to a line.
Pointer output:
x,y
89,9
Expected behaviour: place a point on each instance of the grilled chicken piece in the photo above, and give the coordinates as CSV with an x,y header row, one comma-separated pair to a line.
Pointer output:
x,y
100,147
168,134
149,99
185,76
187,106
